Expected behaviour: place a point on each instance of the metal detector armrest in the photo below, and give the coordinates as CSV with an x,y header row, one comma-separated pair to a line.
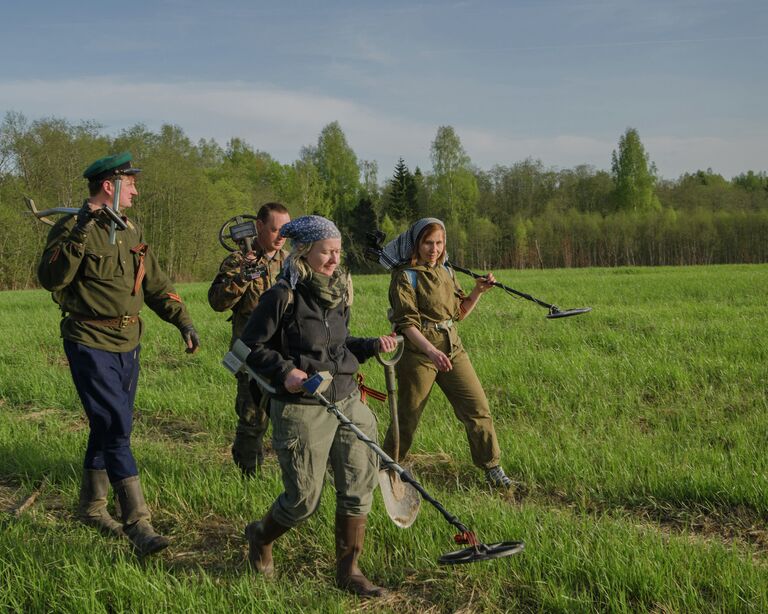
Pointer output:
x,y
235,362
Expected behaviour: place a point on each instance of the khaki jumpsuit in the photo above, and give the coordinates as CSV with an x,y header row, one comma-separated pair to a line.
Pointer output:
x,y
433,307
229,291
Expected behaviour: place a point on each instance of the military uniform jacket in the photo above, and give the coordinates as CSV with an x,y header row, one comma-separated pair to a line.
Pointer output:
x,y
96,280
228,291
435,298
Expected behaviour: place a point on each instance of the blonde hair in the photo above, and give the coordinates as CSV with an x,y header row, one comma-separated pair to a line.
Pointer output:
x,y
425,232
297,261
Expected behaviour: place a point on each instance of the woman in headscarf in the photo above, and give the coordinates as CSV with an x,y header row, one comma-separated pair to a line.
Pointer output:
x,y
426,303
300,327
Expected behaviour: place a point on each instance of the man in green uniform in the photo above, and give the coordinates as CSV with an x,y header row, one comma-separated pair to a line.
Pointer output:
x,y
241,281
101,278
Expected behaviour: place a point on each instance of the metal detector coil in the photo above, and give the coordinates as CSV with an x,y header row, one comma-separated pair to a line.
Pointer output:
x,y
240,230
481,552
554,312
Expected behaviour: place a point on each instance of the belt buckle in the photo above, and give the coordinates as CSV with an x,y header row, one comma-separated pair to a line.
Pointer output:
x,y
125,321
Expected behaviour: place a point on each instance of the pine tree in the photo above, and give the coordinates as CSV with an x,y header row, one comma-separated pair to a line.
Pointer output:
x,y
401,204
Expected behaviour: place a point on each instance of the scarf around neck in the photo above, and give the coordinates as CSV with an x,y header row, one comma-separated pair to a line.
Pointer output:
x,y
328,290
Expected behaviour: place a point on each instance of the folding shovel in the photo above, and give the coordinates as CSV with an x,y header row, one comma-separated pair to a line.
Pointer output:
x,y
401,499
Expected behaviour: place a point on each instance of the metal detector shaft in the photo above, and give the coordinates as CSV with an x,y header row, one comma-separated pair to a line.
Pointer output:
x,y
389,461
375,252
43,215
116,208
502,286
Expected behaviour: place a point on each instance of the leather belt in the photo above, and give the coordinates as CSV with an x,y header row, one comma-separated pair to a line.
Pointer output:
x,y
444,325
121,322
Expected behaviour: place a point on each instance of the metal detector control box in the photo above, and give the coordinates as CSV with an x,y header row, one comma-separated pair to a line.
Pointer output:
x,y
244,230
318,383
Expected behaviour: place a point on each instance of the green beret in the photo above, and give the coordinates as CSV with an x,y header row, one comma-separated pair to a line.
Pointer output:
x,y
110,166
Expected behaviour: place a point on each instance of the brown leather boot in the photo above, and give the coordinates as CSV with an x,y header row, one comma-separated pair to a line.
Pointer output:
x,y
136,518
350,535
260,535
92,508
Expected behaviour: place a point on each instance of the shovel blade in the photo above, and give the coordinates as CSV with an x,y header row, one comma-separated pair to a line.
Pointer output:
x,y
401,500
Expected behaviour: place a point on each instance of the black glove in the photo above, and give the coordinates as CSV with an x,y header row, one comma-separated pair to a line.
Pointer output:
x,y
85,221
191,338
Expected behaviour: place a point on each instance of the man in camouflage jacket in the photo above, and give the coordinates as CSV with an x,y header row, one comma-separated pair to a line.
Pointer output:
x,y
241,281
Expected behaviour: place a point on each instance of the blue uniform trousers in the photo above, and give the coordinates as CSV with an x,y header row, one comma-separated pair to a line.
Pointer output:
x,y
106,383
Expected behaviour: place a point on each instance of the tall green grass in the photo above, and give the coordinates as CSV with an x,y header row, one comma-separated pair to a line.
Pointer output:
x,y
636,435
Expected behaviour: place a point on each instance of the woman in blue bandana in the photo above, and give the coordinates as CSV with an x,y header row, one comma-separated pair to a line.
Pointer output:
x,y
300,327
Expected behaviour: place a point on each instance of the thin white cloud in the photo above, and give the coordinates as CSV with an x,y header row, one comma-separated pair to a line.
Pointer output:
x,y
281,121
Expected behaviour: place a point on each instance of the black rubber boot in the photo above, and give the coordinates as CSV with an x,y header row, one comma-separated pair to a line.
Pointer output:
x,y
136,518
261,535
350,536
92,508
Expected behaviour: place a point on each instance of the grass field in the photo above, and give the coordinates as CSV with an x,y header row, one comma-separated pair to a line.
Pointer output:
x,y
637,436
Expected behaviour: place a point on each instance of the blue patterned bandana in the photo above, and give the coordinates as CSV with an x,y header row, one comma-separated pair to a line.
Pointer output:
x,y
304,230
310,228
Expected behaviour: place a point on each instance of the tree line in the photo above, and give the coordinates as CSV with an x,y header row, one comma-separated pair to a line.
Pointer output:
x,y
518,216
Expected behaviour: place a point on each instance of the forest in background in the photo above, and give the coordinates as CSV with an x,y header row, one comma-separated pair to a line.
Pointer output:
x,y
517,215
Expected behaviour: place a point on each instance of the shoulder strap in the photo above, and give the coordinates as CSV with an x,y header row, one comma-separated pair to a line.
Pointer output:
x,y
412,277
288,311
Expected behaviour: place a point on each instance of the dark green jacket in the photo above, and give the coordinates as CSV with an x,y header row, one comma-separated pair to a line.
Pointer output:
x,y
98,280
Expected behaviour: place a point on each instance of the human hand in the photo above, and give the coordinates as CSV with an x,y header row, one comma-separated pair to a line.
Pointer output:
x,y
442,362
484,283
294,380
191,338
86,218
388,343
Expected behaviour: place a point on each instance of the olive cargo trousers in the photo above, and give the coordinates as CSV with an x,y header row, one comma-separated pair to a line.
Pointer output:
x,y
305,438
416,374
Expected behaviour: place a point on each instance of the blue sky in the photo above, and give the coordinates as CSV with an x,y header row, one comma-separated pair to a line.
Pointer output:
x,y
554,80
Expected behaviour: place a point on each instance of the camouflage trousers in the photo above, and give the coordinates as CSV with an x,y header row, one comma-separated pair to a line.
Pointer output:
x,y
252,422
416,375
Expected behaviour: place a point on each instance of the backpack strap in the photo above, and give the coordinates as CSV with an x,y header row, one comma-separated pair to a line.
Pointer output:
x,y
412,277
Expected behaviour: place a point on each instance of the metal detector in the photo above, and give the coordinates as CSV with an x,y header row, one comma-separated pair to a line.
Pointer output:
x,y
375,251
475,551
401,499
237,234
235,362
114,217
